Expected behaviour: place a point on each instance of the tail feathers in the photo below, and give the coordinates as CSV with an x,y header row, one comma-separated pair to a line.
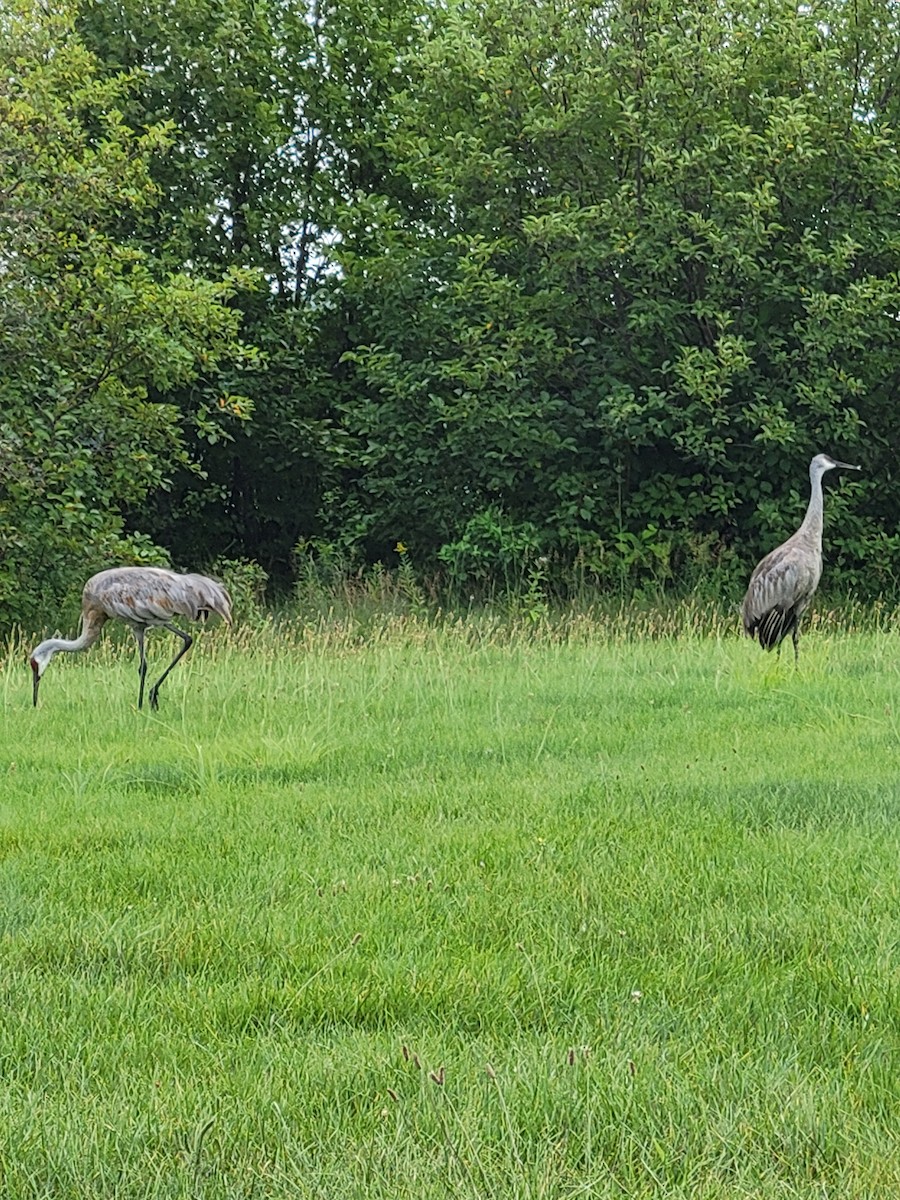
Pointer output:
x,y
210,597
773,626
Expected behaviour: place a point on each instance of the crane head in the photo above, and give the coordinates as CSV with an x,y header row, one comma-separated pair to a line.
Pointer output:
x,y
38,660
824,462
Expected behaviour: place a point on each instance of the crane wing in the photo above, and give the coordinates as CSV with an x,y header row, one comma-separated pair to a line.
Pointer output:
x,y
206,596
780,590
153,595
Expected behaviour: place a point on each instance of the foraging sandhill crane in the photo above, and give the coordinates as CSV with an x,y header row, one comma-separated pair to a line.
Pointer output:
x,y
144,598
785,581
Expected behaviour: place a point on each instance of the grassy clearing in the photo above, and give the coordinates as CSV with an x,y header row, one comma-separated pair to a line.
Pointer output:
x,y
461,911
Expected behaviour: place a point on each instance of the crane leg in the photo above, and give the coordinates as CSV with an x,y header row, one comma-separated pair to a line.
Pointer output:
x,y
142,665
189,641
795,638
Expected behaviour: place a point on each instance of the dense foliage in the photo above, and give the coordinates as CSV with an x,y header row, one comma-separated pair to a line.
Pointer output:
x,y
95,332
506,283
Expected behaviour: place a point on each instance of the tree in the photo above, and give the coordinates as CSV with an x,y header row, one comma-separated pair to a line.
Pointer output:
x,y
657,273
601,278
92,326
278,110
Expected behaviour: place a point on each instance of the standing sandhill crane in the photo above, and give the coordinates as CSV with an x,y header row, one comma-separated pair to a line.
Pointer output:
x,y
785,581
144,598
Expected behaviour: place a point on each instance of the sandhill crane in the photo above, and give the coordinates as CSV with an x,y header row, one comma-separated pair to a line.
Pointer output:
x,y
785,581
144,598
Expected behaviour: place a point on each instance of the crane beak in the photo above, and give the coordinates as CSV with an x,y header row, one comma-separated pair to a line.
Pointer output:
x,y
848,466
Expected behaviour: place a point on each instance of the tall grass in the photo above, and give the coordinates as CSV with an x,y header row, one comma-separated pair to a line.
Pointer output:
x,y
583,905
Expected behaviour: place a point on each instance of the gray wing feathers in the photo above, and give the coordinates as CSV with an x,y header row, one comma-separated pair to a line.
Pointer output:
x,y
153,596
207,596
780,590
787,579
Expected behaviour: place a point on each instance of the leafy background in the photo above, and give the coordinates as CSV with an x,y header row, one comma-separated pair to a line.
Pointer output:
x,y
531,289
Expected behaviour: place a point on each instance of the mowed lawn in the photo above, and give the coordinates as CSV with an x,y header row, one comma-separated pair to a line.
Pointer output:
x,y
453,913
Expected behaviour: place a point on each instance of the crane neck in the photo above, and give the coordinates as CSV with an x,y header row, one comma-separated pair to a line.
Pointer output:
x,y
71,644
813,521
48,648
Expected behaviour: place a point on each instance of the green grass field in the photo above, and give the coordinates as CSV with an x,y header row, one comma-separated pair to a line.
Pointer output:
x,y
455,912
